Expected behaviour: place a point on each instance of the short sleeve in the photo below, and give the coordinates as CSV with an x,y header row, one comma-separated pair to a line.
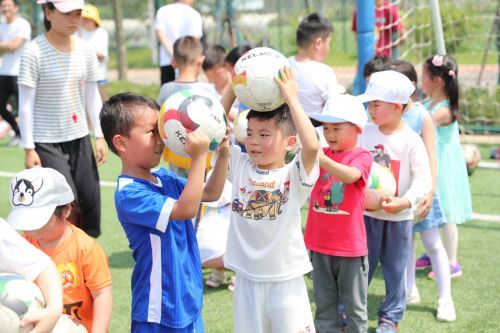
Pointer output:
x,y
300,181
24,30
363,162
29,70
140,206
18,256
95,267
234,161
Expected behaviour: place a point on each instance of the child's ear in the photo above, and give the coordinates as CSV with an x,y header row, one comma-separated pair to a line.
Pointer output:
x,y
200,60
119,143
67,210
291,142
174,63
318,42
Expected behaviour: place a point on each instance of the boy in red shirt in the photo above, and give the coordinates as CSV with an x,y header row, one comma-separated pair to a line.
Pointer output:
x,y
335,231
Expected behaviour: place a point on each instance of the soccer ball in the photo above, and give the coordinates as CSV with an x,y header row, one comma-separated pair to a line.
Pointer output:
x,y
18,295
472,157
189,110
67,324
240,126
253,78
381,178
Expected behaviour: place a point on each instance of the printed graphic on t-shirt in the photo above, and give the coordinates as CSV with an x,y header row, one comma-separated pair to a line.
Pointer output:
x,y
331,194
261,203
70,284
380,177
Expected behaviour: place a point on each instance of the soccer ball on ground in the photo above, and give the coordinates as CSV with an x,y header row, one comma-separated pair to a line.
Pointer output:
x,y
18,295
472,157
253,78
67,324
189,110
240,126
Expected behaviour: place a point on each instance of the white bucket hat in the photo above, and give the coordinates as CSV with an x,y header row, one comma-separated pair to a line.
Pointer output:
x,y
388,86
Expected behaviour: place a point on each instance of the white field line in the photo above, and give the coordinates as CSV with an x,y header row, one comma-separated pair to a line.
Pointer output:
x,y
104,183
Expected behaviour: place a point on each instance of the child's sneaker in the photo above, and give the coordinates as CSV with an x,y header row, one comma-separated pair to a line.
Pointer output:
x,y
446,311
215,279
413,297
386,326
423,262
455,272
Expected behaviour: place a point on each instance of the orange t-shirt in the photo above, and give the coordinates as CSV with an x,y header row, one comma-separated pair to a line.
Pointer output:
x,y
82,267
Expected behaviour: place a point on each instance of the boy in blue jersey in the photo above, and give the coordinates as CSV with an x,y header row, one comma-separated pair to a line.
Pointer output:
x,y
155,209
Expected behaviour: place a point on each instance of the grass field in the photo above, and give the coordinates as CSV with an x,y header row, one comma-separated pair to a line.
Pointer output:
x,y
477,295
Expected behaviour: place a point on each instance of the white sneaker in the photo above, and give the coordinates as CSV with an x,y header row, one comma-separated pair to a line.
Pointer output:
x,y
413,297
215,279
446,311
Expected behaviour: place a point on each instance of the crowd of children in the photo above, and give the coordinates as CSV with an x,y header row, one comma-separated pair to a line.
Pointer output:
x,y
253,226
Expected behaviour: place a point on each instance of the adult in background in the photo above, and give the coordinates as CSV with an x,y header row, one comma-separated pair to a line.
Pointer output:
x,y
92,32
57,84
13,36
173,21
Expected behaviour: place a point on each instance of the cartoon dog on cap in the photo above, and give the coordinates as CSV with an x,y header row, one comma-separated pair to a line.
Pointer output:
x,y
24,191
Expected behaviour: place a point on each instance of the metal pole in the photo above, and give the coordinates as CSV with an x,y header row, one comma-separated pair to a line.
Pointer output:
x,y
153,43
438,26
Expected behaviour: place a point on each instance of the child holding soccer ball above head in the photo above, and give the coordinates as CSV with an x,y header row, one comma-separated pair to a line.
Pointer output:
x,y
265,246
41,204
440,83
155,209
398,148
335,231
17,256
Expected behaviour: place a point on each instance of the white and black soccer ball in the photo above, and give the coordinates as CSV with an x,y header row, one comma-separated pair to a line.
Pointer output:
x,y
253,78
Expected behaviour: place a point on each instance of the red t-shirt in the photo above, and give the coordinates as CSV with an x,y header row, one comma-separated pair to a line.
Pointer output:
x,y
335,224
386,23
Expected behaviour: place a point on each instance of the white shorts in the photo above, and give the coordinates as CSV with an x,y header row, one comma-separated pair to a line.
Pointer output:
x,y
277,307
212,233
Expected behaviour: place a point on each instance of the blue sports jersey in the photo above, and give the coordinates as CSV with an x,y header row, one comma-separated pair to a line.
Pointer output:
x,y
167,285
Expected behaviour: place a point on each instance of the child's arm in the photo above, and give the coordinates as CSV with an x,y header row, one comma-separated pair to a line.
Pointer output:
x,y
187,205
428,136
347,174
103,306
45,319
442,116
227,100
215,184
305,129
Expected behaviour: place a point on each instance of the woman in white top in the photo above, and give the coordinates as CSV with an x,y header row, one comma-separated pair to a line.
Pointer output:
x,y
57,86
13,35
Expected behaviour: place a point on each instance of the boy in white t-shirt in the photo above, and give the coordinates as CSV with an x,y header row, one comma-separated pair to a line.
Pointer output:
x,y
13,36
316,80
265,246
401,152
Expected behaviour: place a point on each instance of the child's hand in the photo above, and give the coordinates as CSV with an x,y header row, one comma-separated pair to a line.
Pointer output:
x,y
424,206
42,319
223,149
394,205
288,85
197,144
373,199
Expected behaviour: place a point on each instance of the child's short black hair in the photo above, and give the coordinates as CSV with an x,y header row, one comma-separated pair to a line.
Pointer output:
x,y
311,27
236,53
406,68
187,49
118,114
215,55
281,115
377,64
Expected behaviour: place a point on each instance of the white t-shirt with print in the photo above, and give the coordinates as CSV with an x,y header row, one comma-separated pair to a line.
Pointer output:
x,y
177,20
404,154
9,31
99,40
265,241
